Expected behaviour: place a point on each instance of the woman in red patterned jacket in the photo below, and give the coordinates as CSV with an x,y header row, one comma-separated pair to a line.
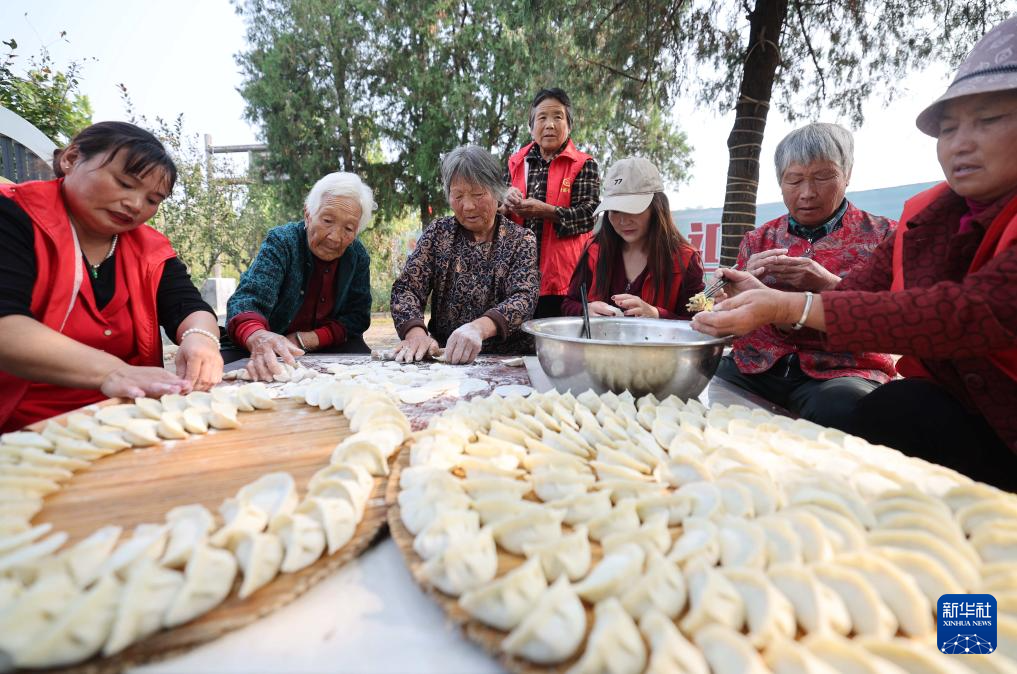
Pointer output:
x,y
942,290
821,239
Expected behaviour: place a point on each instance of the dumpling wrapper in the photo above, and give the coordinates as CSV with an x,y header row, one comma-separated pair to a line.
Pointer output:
x,y
712,600
273,494
531,526
869,615
818,609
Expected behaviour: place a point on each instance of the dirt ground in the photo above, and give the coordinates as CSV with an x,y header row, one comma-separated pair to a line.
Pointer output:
x,y
381,334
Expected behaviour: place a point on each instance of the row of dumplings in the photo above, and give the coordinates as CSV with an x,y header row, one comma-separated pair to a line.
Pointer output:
x,y
58,607
475,470
33,464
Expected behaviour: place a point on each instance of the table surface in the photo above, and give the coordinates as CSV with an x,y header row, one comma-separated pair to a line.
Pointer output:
x,y
370,616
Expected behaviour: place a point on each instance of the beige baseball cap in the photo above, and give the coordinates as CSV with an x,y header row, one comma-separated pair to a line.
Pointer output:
x,y
629,186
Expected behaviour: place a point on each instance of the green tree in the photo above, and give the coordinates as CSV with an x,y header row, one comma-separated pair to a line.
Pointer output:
x,y
215,215
45,96
805,56
384,89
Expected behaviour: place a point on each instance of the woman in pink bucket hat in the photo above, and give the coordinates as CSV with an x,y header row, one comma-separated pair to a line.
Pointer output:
x,y
941,291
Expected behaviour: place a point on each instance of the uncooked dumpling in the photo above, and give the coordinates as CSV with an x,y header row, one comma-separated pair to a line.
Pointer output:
x,y
770,616
553,630
85,558
728,652
898,590
661,588
712,600
78,632
147,594
670,651
616,571
141,432
533,526
623,518
503,603
614,645
273,494
569,555
818,609
302,537
443,529
260,556
869,615
208,578
336,518
189,526
466,563
36,608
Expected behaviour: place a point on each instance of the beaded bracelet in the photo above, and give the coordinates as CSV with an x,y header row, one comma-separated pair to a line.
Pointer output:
x,y
199,331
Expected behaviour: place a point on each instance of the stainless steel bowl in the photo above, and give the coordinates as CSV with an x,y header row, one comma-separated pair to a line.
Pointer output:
x,y
640,355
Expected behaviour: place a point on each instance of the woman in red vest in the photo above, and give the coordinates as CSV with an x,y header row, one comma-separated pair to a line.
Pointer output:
x,y
638,263
554,189
942,291
86,284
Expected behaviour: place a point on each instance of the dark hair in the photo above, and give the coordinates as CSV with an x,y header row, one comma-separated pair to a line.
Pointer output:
x,y
558,95
144,151
664,243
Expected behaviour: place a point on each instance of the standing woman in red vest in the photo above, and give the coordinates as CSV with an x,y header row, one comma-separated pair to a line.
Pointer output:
x,y
86,283
638,263
554,189
942,291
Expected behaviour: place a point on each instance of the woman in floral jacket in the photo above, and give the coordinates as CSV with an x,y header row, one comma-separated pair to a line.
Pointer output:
x,y
477,267
821,239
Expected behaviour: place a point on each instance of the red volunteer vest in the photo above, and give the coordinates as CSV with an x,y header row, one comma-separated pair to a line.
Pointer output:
x,y
558,255
1001,234
648,293
62,300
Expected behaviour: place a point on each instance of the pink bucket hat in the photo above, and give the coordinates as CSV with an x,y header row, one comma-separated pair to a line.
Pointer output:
x,y
991,66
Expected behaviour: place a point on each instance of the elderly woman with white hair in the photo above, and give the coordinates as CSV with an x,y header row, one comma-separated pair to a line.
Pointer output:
x,y
818,242
309,288
478,268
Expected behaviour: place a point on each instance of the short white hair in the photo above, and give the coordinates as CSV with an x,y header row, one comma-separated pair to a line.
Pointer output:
x,y
341,184
819,141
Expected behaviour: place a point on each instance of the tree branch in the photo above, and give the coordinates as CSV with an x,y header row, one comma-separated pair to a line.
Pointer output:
x,y
812,52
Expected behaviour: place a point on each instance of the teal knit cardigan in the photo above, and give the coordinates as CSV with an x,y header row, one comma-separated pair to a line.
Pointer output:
x,y
276,281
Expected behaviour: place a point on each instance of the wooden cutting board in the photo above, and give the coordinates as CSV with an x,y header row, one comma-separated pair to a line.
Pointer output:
x,y
140,485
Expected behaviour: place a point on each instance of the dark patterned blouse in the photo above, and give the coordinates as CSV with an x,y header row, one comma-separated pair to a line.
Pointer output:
x,y
466,280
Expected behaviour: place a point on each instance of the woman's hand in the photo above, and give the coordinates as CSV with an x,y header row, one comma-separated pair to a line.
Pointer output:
x,y
199,362
633,305
265,347
139,382
802,273
737,282
745,312
415,346
463,344
757,263
513,197
310,340
599,308
533,208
